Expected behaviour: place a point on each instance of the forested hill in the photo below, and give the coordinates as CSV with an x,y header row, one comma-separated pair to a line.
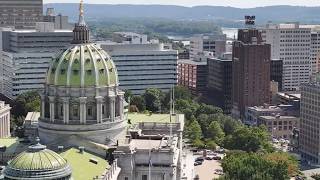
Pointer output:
x,y
263,14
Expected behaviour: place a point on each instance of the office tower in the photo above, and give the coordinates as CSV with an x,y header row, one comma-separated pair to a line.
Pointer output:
x,y
60,21
210,43
276,72
26,56
291,44
310,121
4,120
20,13
250,71
315,52
143,66
193,75
220,82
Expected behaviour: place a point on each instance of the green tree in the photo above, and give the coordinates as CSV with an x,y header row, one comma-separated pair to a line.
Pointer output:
x,y
248,139
152,99
242,166
128,94
193,130
316,176
139,102
208,109
215,132
26,102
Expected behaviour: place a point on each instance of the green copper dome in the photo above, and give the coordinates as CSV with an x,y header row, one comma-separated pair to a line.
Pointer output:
x,y
83,65
38,163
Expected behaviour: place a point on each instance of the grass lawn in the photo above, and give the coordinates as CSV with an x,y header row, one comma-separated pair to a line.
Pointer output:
x,y
82,169
161,118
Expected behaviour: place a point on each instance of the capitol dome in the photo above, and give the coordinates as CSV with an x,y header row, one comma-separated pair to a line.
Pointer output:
x,y
83,65
82,98
38,163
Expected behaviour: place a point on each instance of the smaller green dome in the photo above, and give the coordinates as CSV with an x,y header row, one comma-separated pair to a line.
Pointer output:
x,y
37,163
83,65
39,160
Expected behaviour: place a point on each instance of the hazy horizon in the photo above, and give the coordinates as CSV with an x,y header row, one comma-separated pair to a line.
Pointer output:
x,y
190,3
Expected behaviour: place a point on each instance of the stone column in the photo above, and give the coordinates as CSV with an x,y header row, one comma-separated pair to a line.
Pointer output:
x,y
99,101
120,108
83,110
66,110
43,108
52,108
112,107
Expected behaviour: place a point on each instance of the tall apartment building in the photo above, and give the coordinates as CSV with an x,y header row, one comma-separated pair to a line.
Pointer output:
x,y
143,66
291,43
26,56
310,121
220,82
193,75
210,43
4,120
250,71
276,72
20,13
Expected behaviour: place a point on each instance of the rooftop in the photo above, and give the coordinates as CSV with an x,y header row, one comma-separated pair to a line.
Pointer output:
x,y
188,61
82,168
147,144
13,145
160,118
275,117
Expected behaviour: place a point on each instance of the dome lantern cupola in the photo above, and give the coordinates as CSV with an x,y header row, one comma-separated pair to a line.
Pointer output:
x,y
81,32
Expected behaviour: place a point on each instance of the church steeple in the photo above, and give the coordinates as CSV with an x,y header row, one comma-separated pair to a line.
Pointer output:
x,y
81,33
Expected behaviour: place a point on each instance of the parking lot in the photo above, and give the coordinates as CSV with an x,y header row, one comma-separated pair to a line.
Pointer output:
x,y
207,169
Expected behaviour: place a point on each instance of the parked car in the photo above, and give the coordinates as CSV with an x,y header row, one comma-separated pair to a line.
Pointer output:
x,y
209,158
216,158
197,163
199,159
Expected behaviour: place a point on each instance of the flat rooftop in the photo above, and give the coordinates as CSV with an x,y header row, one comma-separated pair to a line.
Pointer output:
x,y
274,118
147,144
13,145
82,168
160,118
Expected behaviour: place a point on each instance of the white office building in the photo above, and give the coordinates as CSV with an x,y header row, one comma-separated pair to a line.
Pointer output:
x,y
216,44
291,43
143,66
4,120
26,56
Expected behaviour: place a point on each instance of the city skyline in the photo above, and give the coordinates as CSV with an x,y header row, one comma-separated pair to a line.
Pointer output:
x,y
232,3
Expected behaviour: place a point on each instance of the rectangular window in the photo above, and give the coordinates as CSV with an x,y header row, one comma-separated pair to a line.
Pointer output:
x,y
75,111
103,109
89,111
144,177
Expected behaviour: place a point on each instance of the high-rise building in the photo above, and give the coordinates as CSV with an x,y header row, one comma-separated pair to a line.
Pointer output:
x,y
250,71
60,21
20,13
220,82
143,66
193,75
315,52
310,122
26,56
210,43
291,44
4,120
276,72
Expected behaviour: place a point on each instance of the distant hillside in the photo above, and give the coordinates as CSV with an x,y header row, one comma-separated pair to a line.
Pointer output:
x,y
216,13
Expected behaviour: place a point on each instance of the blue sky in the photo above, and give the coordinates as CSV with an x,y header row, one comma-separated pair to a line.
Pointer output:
x,y
233,3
